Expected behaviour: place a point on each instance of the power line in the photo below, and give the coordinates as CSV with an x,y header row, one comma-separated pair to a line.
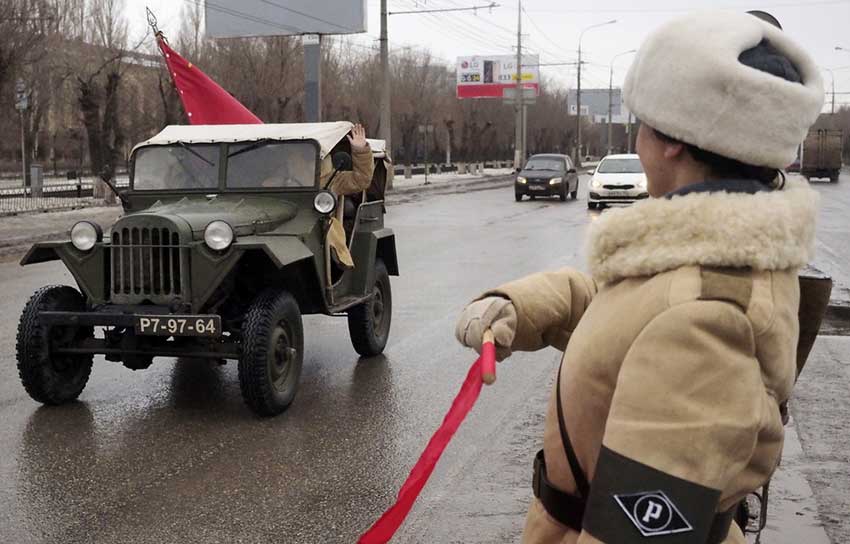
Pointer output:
x,y
465,34
443,10
530,20
681,10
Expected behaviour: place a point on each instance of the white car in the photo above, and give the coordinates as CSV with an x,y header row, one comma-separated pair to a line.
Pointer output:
x,y
617,179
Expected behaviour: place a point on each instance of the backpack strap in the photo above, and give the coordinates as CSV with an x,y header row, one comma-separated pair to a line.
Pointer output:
x,y
578,474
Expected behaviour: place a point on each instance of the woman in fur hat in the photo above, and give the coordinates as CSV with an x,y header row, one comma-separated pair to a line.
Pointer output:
x,y
679,347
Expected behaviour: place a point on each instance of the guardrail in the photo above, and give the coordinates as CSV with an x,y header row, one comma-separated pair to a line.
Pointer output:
x,y
53,196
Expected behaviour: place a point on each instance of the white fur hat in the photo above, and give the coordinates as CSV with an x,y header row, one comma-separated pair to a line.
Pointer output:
x,y
687,82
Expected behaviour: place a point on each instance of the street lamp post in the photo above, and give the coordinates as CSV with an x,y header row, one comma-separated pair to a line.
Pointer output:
x,y
832,76
611,91
21,104
578,90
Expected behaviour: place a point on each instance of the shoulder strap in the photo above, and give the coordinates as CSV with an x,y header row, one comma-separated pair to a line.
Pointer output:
x,y
578,474
733,285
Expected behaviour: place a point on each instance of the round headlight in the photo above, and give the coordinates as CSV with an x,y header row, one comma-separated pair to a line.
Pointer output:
x,y
218,235
324,202
84,235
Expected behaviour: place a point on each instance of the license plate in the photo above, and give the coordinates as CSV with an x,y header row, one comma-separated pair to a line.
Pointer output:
x,y
179,325
536,188
618,193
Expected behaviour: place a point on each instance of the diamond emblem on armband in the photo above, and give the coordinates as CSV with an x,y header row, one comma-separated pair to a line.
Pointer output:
x,y
653,513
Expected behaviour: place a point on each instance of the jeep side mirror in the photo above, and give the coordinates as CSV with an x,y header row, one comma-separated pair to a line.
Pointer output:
x,y
571,171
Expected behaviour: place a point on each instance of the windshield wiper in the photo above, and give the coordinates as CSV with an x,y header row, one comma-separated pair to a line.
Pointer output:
x,y
255,145
195,153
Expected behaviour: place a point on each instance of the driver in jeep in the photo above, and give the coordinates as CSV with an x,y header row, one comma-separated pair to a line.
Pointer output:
x,y
345,182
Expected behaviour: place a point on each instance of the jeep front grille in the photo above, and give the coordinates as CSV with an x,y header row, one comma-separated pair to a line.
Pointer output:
x,y
145,262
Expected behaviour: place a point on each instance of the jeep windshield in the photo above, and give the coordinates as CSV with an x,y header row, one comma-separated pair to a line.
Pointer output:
x,y
269,164
179,166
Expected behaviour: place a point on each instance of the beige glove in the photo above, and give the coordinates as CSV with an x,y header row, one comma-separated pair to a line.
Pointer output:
x,y
495,313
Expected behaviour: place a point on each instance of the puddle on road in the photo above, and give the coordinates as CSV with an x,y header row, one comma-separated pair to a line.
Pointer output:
x,y
836,322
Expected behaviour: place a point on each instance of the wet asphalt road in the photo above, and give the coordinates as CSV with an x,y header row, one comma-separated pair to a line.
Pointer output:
x,y
171,454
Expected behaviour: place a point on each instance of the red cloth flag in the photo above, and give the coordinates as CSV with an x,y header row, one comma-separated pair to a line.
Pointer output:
x,y
205,102
383,530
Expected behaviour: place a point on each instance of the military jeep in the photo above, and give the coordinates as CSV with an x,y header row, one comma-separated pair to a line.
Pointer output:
x,y
221,249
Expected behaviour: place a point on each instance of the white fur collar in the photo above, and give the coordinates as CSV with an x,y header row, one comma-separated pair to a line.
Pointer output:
x,y
764,231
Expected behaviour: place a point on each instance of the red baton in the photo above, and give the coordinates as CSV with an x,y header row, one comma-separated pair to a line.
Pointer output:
x,y
488,358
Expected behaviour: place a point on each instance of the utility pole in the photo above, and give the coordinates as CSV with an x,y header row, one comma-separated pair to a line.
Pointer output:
x,y
832,76
385,132
577,158
610,104
578,90
519,152
610,92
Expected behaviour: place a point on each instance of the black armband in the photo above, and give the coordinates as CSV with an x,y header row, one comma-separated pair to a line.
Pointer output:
x,y
631,502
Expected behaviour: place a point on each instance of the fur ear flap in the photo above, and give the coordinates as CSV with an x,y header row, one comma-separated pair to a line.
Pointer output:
x,y
764,231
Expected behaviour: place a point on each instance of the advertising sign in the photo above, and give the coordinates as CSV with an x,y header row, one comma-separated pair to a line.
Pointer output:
x,y
242,18
490,76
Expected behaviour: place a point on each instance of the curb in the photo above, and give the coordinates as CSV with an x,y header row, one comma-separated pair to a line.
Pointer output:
x,y
449,187
16,247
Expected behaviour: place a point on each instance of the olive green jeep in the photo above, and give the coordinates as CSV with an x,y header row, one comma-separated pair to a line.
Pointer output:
x,y
220,250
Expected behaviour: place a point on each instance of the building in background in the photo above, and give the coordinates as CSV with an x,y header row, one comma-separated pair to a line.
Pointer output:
x,y
594,108
594,104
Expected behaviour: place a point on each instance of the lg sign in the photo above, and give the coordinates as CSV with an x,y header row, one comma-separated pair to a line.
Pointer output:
x,y
489,77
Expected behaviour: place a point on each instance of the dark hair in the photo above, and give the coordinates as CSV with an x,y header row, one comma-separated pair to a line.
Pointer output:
x,y
766,58
726,168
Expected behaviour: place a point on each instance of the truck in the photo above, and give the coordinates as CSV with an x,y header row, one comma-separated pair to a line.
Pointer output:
x,y
223,245
821,154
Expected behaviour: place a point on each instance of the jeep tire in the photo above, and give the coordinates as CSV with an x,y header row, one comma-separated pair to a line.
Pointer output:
x,y
272,352
48,377
369,322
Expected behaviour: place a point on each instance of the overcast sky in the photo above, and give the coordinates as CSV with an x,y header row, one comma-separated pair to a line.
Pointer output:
x,y
551,28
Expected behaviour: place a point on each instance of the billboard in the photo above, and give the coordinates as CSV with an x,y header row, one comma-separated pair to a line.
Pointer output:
x,y
241,18
489,76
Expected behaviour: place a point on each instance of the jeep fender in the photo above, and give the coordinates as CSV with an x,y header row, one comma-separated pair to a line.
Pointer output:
x,y
87,268
386,250
298,262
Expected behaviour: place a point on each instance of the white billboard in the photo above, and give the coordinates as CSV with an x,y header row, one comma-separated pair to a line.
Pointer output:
x,y
489,76
242,18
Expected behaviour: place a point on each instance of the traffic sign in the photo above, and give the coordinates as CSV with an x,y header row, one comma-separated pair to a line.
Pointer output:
x,y
21,98
529,96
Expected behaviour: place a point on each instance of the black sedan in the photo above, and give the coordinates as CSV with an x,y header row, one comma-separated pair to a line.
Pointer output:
x,y
547,175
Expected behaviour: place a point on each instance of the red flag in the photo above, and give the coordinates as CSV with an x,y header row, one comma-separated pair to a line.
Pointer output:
x,y
205,102
383,530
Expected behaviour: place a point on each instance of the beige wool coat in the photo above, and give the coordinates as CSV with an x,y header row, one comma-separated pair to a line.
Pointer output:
x,y
346,182
678,347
